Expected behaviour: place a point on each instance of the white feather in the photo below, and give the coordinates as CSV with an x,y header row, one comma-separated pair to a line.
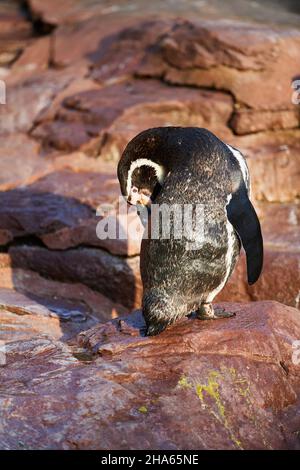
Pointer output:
x,y
228,256
242,163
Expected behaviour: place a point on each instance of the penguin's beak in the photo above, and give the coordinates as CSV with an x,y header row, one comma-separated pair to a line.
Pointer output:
x,y
137,197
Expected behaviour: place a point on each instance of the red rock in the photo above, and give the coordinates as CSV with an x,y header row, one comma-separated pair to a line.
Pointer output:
x,y
64,136
70,199
15,31
115,277
30,92
70,196
5,236
246,121
19,160
236,289
35,57
76,86
55,12
18,327
120,54
28,96
233,381
284,285
114,114
35,210
85,233
229,56
279,280
12,23
21,289
280,222
82,191
26,316
92,38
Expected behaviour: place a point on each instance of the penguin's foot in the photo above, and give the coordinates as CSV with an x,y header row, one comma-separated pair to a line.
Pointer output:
x,y
207,312
155,328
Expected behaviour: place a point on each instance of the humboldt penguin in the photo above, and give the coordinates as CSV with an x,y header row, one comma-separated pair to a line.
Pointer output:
x,y
180,167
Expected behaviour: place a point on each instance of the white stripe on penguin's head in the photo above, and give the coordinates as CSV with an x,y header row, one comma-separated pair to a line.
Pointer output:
x,y
159,171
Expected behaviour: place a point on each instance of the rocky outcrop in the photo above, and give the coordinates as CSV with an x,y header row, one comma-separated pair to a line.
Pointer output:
x,y
233,57
73,375
228,384
107,118
15,33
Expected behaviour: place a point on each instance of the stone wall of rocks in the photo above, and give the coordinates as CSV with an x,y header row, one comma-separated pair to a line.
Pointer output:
x,y
83,81
82,78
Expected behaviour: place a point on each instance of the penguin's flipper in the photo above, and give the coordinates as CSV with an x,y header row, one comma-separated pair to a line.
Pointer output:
x,y
241,214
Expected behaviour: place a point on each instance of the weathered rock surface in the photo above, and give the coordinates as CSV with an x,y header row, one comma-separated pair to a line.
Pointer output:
x,y
26,316
72,11
15,33
28,96
246,121
34,58
234,57
19,160
228,384
55,12
112,115
59,297
69,200
99,40
114,276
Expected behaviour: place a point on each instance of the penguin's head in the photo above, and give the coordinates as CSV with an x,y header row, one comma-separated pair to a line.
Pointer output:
x,y
141,170
140,180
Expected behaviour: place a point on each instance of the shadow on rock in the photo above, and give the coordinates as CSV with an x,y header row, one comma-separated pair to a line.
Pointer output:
x,y
78,284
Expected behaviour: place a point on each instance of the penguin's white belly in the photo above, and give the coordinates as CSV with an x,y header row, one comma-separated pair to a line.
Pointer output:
x,y
229,261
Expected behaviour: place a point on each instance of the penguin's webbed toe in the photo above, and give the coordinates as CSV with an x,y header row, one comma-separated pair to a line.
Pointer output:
x,y
207,312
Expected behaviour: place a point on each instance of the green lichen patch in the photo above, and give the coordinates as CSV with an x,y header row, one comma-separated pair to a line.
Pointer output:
x,y
184,383
143,409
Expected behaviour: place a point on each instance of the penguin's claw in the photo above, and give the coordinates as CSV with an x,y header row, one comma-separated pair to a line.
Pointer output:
x,y
207,312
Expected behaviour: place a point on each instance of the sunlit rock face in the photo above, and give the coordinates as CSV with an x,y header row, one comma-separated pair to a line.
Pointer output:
x,y
81,79
226,384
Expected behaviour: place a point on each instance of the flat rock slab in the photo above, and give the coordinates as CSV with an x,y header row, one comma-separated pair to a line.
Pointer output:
x,y
31,306
15,32
103,120
27,315
19,160
114,276
231,56
227,384
72,11
56,296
